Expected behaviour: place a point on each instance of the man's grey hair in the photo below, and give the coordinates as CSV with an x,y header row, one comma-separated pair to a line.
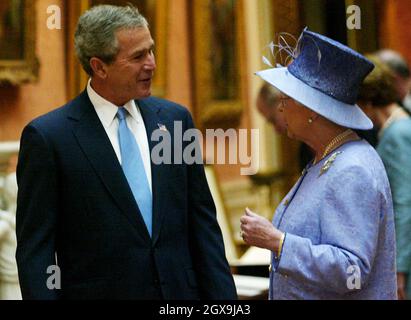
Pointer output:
x,y
95,34
269,94
395,61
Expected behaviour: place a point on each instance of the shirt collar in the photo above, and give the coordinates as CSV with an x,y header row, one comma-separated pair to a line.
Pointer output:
x,y
106,110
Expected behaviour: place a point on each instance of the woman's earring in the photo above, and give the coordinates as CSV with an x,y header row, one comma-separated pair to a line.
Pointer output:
x,y
310,120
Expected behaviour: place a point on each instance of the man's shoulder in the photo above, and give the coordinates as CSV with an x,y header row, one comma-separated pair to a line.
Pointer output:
x,y
49,117
165,105
57,115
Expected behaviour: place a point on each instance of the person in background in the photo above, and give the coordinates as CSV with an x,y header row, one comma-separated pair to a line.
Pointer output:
x,y
402,85
401,72
332,237
268,104
93,200
378,98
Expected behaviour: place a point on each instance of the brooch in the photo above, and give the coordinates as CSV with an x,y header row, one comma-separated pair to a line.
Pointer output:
x,y
162,127
327,165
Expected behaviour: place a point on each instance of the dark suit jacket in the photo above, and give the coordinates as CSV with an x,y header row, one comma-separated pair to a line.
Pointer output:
x,y
75,205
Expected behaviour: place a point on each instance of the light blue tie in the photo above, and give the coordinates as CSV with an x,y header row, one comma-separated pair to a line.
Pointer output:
x,y
133,169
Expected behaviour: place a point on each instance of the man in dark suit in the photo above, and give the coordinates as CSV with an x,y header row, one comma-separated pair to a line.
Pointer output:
x,y
92,201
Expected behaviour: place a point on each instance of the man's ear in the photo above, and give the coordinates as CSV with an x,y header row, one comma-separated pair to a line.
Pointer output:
x,y
99,67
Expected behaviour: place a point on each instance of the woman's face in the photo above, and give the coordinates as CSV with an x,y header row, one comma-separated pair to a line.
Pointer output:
x,y
296,118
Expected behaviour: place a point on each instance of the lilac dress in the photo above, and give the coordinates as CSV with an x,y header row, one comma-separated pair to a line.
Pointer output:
x,y
340,235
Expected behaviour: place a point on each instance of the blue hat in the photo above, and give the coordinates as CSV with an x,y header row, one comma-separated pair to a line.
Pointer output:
x,y
325,77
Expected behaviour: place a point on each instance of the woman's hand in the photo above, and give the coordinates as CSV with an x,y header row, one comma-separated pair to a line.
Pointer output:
x,y
258,231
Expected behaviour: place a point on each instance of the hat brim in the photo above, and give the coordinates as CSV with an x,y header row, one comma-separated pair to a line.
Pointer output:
x,y
347,115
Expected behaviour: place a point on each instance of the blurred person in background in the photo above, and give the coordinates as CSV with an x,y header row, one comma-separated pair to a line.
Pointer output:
x,y
268,104
401,85
401,72
378,98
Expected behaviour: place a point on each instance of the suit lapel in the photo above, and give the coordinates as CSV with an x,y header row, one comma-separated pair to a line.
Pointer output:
x,y
152,118
96,145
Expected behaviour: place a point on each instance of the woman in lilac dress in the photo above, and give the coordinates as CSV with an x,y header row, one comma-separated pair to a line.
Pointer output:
x,y
332,237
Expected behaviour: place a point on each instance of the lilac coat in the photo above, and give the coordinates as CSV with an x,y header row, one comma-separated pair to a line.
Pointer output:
x,y
340,235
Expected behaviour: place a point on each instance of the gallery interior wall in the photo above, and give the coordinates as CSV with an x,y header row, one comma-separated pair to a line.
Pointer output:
x,y
20,104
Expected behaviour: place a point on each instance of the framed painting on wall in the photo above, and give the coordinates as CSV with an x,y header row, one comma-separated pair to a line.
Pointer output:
x,y
218,62
155,12
18,62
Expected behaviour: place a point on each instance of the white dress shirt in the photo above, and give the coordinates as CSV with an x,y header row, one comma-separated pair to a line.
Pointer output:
x,y
107,112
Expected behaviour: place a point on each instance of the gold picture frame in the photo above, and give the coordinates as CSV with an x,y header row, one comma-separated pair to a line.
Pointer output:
x,y
219,62
157,19
18,61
